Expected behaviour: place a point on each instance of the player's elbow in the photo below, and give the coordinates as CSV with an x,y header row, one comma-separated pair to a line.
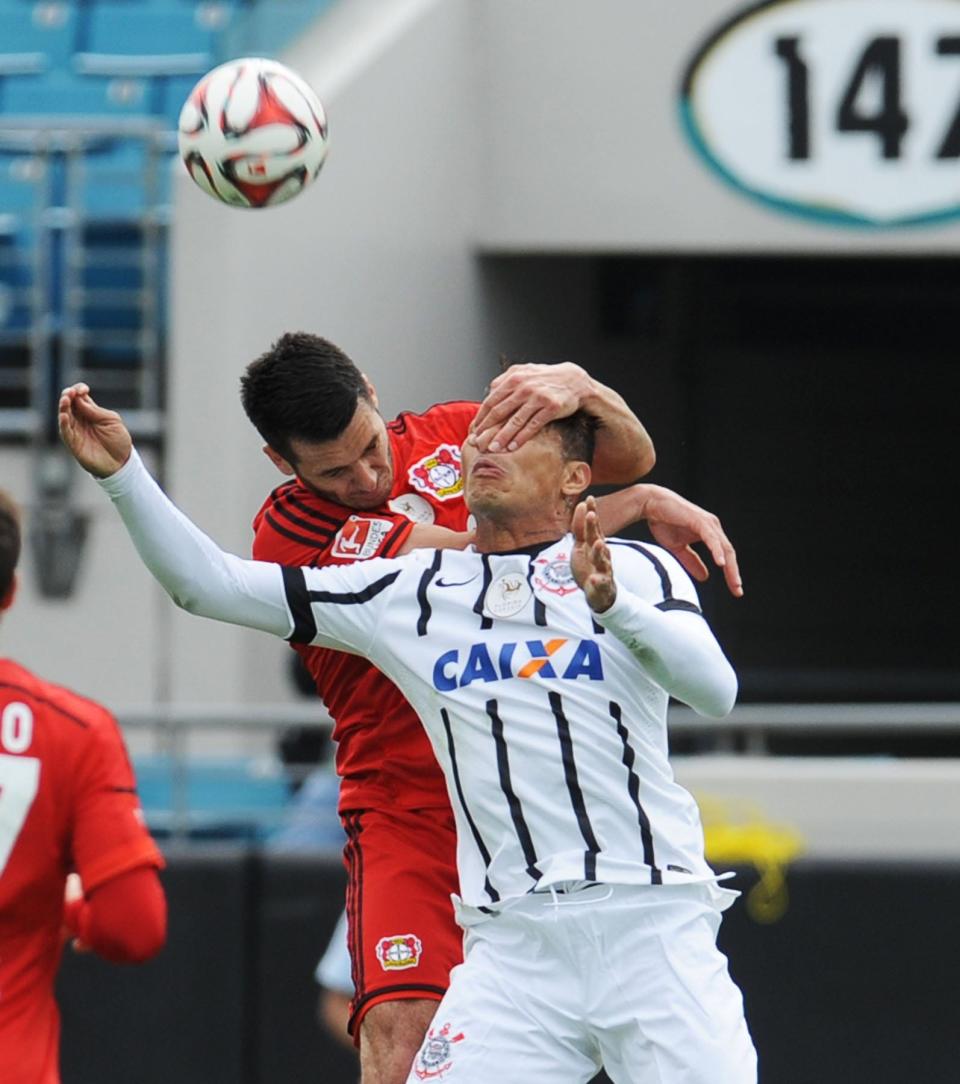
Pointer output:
x,y
716,700
646,461
136,946
126,921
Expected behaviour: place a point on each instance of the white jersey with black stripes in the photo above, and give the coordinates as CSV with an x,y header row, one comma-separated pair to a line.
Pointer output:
x,y
548,720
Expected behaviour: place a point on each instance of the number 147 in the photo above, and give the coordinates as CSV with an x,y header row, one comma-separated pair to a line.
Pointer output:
x,y
880,62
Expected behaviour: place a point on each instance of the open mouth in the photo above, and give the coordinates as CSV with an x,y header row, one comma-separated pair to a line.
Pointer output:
x,y
486,467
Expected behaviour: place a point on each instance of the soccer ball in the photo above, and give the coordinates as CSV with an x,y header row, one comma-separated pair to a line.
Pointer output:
x,y
252,133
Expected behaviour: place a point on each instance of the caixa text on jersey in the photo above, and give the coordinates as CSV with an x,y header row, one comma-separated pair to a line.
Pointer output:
x,y
559,658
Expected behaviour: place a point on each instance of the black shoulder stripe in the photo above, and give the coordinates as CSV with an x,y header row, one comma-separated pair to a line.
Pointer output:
x,y
679,604
665,584
47,703
425,608
281,511
313,513
352,598
315,542
298,599
394,538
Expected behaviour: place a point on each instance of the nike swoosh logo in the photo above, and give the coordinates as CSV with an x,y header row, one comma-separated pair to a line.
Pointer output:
x,y
443,583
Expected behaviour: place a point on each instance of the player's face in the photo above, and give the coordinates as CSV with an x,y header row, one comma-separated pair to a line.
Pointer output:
x,y
355,469
532,480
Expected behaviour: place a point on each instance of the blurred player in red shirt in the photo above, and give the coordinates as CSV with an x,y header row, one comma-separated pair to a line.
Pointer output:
x,y
364,488
68,806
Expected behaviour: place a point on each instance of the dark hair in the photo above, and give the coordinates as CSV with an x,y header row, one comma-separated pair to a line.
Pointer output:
x,y
9,542
302,388
578,435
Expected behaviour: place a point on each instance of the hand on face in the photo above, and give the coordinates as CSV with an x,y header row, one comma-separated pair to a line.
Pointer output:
x,y
522,400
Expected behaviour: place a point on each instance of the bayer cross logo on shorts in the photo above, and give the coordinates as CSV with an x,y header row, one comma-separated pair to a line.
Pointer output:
x,y
399,952
436,1054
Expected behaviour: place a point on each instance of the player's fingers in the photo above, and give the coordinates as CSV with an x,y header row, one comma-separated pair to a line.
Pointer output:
x,y
692,563
492,409
601,557
731,573
579,520
725,557
527,428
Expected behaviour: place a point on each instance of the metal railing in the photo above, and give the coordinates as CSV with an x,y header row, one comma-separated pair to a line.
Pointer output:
x,y
748,731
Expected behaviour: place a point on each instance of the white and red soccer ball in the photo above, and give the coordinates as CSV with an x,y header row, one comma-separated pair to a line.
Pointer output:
x,y
252,133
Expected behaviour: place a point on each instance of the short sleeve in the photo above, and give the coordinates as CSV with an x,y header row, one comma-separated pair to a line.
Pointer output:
x,y
292,529
108,835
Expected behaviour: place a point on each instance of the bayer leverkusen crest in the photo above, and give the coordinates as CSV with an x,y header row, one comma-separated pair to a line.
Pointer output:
x,y
399,952
439,473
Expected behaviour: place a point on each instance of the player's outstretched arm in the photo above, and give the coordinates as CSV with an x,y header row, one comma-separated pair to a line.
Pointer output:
x,y
199,576
428,536
97,437
675,648
522,400
676,524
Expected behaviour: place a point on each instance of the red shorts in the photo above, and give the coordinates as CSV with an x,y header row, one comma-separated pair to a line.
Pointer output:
x,y
403,940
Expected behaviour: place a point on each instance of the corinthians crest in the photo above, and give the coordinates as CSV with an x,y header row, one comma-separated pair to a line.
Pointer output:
x,y
438,473
555,575
436,1054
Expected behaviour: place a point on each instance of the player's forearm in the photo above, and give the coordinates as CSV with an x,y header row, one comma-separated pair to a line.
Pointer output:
x,y
677,650
624,450
622,508
124,920
199,576
430,537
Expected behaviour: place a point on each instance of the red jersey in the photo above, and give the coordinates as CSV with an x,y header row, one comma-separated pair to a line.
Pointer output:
x,y
383,755
67,802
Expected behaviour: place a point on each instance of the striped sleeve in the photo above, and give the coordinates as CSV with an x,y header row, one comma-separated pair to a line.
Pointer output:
x,y
656,616
295,529
665,583
339,607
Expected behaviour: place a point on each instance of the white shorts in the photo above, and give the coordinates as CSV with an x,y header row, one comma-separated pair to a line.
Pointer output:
x,y
558,984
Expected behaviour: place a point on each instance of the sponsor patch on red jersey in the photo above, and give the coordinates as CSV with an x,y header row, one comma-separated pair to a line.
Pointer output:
x,y
399,952
360,537
438,473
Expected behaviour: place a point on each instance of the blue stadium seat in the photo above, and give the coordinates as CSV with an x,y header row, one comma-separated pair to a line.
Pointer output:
x,y
117,183
47,30
60,93
173,36
229,797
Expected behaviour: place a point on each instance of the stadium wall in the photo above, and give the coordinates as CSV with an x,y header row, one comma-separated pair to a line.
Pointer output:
x,y
851,982
376,257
